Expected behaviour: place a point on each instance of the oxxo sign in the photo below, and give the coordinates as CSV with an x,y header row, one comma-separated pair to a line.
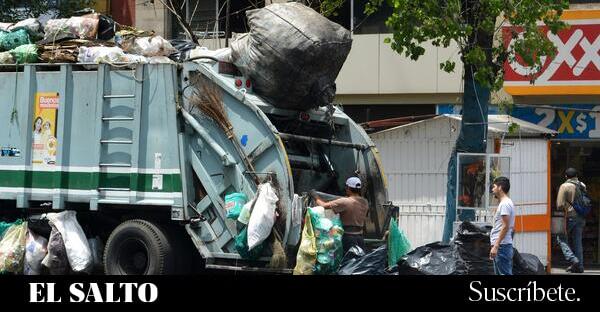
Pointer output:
x,y
575,69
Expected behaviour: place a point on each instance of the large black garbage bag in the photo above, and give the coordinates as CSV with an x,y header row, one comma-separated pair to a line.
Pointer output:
x,y
373,263
473,245
352,253
527,264
292,54
432,259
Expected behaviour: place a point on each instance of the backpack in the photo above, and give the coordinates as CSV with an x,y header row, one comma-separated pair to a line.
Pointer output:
x,y
582,202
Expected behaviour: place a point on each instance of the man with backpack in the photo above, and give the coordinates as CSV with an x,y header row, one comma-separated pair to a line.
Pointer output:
x,y
573,200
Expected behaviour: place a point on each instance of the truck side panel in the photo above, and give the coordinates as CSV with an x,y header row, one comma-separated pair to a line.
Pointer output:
x,y
133,116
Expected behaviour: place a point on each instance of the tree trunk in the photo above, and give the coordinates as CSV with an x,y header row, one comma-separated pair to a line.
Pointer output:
x,y
472,139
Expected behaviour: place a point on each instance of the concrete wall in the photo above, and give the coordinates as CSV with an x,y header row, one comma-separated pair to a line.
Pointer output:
x,y
373,70
155,17
584,6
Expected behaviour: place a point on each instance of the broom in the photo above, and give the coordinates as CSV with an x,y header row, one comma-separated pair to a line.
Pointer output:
x,y
208,99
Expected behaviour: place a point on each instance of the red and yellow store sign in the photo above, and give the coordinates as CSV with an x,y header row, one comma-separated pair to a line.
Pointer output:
x,y
574,70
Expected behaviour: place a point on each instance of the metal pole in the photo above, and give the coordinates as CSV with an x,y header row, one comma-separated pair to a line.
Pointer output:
x,y
188,12
352,17
227,23
217,22
287,136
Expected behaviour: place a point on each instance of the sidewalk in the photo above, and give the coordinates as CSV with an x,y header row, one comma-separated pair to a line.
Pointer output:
x,y
561,271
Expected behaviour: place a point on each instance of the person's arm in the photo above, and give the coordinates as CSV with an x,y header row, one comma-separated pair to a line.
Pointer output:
x,y
561,198
562,203
322,203
501,236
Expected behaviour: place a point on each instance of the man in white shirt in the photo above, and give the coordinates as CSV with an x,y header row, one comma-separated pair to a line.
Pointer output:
x,y
504,223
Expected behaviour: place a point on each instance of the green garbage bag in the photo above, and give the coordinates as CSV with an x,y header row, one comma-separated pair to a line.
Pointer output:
x,y
5,225
25,54
398,244
13,39
241,245
328,234
234,203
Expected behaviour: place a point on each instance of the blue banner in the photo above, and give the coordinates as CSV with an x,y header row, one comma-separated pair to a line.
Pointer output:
x,y
570,124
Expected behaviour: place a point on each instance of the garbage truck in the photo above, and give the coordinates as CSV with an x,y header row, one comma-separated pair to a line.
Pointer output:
x,y
136,152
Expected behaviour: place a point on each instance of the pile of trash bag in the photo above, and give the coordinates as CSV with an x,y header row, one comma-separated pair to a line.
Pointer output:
x,y
382,260
321,250
255,219
292,54
328,236
356,262
527,264
90,38
53,244
473,244
433,259
467,254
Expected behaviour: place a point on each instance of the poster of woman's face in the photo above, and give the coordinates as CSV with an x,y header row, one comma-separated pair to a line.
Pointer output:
x,y
37,125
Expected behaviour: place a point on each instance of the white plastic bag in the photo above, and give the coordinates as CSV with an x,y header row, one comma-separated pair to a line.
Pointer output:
x,y
296,228
134,58
5,26
76,245
101,55
223,55
6,58
263,216
148,46
35,251
32,25
82,27
160,60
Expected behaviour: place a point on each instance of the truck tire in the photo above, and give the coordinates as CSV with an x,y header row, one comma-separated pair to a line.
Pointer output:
x,y
138,247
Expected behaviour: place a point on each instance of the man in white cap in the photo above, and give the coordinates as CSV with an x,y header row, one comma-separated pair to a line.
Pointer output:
x,y
353,212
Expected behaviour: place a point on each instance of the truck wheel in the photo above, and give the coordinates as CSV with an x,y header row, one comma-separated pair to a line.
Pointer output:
x,y
138,247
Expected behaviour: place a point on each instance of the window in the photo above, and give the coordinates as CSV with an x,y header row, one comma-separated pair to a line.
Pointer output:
x,y
203,16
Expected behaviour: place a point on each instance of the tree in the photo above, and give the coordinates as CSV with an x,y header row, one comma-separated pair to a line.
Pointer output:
x,y
475,26
16,10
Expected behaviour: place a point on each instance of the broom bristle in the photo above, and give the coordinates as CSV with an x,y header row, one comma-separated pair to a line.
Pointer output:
x,y
207,98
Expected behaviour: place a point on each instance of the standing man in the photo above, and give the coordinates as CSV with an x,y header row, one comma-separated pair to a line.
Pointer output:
x,y
353,212
574,223
504,223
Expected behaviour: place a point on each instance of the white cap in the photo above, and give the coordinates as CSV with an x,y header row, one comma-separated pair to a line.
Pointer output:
x,y
353,182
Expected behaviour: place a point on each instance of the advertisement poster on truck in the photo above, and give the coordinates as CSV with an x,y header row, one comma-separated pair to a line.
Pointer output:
x,y
45,115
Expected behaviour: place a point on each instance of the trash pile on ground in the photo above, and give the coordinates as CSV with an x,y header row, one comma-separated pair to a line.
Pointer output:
x,y
52,244
380,261
91,38
467,254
